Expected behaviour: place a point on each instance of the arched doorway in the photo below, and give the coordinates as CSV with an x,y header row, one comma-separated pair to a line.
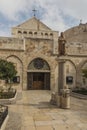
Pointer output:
x,y
38,75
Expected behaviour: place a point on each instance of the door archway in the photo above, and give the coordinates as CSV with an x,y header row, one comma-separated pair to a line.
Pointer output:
x,y
38,75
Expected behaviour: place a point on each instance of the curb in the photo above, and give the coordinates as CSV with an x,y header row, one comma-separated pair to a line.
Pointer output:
x,y
80,96
9,101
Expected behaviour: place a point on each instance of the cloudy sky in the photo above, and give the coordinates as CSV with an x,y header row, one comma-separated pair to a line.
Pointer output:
x,y
57,14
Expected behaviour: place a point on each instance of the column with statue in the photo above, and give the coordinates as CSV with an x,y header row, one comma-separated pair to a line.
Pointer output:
x,y
63,91
62,97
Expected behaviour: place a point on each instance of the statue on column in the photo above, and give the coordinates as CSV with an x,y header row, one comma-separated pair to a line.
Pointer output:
x,y
61,42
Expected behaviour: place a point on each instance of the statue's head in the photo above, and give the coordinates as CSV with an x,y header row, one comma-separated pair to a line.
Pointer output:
x,y
62,34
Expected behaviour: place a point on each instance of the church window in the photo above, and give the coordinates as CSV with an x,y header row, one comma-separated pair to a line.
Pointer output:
x,y
46,34
35,33
30,32
19,32
25,32
38,63
51,34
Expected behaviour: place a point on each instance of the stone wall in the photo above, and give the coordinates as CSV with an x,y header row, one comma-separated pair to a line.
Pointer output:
x,y
11,44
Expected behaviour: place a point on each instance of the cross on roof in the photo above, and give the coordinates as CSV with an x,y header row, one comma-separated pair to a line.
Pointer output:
x,y
80,21
34,11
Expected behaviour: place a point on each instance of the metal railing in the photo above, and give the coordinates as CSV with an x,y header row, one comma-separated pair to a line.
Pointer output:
x,y
3,114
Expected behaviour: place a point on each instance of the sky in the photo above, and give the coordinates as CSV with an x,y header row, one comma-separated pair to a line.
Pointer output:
x,y
59,15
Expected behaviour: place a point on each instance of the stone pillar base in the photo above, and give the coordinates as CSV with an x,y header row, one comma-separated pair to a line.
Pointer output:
x,y
65,103
58,100
53,98
63,100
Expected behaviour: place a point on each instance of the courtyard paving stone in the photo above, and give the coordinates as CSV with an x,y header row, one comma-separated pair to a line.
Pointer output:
x,y
34,112
44,128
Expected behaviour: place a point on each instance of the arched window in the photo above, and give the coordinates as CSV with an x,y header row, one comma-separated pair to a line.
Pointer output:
x,y
38,63
25,32
46,34
35,33
19,32
51,34
30,32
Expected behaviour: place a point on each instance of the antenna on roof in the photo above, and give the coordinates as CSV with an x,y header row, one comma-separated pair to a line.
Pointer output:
x,y
34,11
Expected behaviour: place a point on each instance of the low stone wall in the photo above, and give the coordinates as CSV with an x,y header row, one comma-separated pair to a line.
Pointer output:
x,y
8,101
80,96
4,123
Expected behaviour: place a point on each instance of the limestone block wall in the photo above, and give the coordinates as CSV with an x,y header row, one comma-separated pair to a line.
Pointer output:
x,y
73,67
76,48
70,70
11,44
38,45
75,31
35,48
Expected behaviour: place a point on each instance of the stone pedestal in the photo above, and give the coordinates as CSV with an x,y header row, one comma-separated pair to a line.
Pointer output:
x,y
58,100
53,98
65,98
61,100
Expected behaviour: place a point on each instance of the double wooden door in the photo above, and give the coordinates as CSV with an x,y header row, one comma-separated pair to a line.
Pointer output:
x,y
38,81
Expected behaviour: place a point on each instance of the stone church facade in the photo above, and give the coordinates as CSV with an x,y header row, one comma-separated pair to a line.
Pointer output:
x,y
33,48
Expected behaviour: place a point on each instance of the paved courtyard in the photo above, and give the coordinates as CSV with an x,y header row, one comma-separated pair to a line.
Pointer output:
x,y
33,111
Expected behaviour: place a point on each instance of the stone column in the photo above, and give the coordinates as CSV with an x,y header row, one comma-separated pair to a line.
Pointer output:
x,y
60,81
61,76
56,96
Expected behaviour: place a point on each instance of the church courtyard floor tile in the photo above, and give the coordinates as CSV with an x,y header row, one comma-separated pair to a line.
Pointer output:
x,y
33,111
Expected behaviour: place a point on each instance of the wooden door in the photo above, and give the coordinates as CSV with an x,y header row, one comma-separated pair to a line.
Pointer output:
x,y
29,80
38,80
47,81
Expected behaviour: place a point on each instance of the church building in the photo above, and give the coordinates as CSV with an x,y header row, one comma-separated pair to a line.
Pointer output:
x,y
34,50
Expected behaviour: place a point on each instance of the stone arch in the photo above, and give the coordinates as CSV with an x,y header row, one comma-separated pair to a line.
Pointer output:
x,y
81,64
45,67
70,71
38,75
19,66
82,81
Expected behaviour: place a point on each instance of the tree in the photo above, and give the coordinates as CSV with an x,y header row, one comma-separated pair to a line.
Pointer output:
x,y
7,70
